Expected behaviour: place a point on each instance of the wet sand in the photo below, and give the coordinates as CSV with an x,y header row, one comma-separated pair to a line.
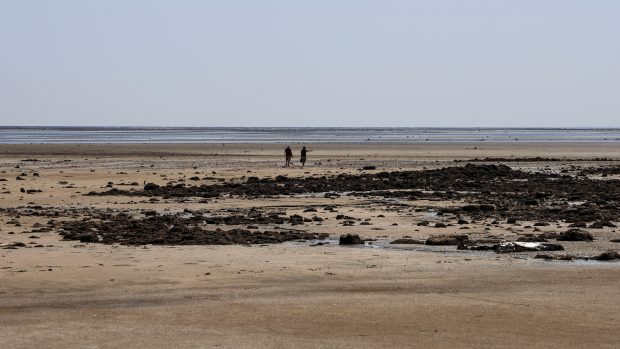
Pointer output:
x,y
72,294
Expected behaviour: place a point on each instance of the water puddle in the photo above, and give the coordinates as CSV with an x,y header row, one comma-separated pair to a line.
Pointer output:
x,y
451,250
593,262
578,262
382,244
430,214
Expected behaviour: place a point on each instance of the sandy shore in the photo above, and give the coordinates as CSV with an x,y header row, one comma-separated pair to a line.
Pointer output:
x,y
70,294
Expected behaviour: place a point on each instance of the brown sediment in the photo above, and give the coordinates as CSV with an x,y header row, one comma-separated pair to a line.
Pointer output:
x,y
255,292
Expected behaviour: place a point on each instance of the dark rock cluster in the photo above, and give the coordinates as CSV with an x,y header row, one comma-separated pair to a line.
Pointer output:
x,y
169,230
490,189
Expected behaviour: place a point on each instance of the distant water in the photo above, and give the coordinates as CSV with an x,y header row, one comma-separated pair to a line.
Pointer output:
x,y
68,135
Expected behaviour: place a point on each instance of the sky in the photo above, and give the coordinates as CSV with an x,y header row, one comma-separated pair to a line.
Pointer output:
x,y
349,63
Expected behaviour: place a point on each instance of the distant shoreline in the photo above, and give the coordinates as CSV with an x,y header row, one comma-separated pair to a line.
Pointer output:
x,y
398,152
276,135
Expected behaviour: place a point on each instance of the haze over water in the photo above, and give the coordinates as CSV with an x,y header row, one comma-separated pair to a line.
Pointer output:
x,y
60,135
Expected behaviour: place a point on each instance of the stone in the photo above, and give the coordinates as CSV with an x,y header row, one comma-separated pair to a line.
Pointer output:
x,y
575,234
350,239
446,240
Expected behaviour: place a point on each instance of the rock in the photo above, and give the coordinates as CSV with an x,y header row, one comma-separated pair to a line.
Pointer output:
x,y
476,208
440,225
541,224
475,246
446,240
341,216
281,178
608,256
252,179
530,238
296,219
14,245
369,167
172,230
351,239
87,237
580,224
462,221
510,247
470,208
151,186
500,187
423,224
555,257
549,235
602,224
511,220
406,241
575,234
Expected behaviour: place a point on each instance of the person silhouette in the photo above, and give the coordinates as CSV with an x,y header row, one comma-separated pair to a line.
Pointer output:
x,y
302,159
288,154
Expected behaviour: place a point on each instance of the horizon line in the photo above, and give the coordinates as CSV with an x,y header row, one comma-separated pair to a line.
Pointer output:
x,y
312,127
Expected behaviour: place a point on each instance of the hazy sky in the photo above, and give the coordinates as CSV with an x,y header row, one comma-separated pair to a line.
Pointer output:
x,y
310,63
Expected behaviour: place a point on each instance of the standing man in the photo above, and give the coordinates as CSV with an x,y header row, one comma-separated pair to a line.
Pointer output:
x,y
303,157
288,154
